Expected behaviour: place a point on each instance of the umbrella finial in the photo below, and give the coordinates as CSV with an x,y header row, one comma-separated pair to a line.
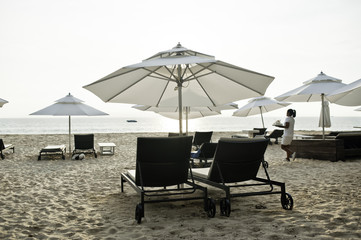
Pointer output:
x,y
178,45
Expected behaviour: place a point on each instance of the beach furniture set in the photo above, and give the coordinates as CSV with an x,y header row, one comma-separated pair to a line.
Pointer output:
x,y
5,147
163,171
83,144
336,146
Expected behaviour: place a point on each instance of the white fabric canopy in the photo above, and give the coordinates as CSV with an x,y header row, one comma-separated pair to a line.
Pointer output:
x,y
259,105
2,102
188,112
313,90
69,106
180,77
349,95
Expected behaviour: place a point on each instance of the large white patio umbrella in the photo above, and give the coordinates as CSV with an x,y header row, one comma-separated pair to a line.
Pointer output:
x,y
182,77
349,95
259,105
313,90
188,112
69,106
2,102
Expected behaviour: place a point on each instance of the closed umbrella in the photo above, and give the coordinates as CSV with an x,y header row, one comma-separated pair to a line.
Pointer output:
x,y
69,106
180,77
349,95
325,117
313,90
259,105
2,102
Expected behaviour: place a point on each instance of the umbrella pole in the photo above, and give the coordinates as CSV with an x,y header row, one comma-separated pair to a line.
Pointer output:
x,y
69,136
323,116
260,108
187,111
180,107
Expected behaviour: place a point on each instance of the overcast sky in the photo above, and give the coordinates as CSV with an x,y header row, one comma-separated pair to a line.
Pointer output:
x,y
49,48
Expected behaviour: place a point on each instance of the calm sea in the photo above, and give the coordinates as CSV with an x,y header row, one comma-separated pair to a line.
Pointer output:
x,y
59,125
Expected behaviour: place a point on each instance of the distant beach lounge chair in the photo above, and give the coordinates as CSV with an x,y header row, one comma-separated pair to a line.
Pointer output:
x,y
161,175
204,153
84,143
52,150
175,134
201,137
277,133
238,160
261,131
4,147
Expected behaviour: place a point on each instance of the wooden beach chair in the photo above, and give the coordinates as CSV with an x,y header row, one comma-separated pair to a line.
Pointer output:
x,y
235,166
5,147
201,137
161,174
84,143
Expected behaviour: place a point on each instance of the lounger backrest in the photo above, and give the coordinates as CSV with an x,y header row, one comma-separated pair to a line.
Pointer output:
x,y
162,161
2,146
261,131
208,150
202,137
237,159
351,139
84,141
174,134
276,133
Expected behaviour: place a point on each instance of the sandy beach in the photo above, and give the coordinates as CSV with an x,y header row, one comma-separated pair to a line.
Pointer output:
x,y
68,199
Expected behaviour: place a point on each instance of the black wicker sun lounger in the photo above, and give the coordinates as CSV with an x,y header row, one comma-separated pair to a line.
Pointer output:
x,y
235,166
161,175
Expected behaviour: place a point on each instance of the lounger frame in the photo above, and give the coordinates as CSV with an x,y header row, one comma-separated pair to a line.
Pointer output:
x,y
225,203
169,191
52,152
5,147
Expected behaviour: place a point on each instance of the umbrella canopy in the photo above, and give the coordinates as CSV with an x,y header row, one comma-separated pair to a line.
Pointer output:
x,y
69,106
188,112
180,77
313,90
2,102
349,95
259,105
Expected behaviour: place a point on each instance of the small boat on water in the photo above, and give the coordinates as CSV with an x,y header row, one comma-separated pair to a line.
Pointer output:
x,y
131,120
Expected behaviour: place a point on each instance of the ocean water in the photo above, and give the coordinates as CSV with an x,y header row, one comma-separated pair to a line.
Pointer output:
x,y
60,125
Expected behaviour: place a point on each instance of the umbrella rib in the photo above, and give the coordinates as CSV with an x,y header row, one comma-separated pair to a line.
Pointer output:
x,y
210,99
125,89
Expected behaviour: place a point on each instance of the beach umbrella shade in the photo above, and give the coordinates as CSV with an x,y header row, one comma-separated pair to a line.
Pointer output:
x,y
259,105
349,95
2,102
69,106
180,77
188,112
313,90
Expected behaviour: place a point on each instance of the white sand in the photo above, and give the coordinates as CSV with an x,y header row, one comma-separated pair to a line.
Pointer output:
x,y
66,199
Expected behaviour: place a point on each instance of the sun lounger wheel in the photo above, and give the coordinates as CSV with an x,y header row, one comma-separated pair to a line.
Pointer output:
x,y
211,207
287,201
225,206
139,212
